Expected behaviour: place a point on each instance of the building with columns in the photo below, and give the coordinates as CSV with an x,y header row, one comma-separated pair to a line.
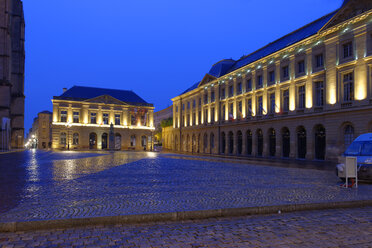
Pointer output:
x,y
82,117
12,67
306,95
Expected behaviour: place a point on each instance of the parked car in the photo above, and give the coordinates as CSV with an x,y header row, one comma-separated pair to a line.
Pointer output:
x,y
361,148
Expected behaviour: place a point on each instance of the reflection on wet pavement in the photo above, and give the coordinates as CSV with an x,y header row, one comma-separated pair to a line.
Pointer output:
x,y
48,185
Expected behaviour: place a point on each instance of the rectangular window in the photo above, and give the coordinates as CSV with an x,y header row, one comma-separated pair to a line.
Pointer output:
x,y
193,103
199,101
231,111
271,77
212,96
348,81
75,116
319,60
259,106
249,108
319,94
348,49
240,110
183,106
193,119
188,105
272,103
285,72
105,118
223,93
223,112
206,116
301,97
301,67
240,89
199,117
176,108
133,120
206,98
117,119
63,116
286,100
212,115
93,118
188,120
259,82
231,91
248,85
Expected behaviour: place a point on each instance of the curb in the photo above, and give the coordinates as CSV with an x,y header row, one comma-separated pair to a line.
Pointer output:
x,y
174,216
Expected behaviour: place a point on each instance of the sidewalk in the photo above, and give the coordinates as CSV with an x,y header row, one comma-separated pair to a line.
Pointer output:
x,y
141,187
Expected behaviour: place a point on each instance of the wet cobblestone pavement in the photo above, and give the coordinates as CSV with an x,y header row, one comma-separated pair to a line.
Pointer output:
x,y
326,228
47,185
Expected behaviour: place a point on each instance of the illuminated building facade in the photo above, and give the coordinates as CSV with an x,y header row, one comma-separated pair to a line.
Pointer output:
x,y
82,117
40,135
306,95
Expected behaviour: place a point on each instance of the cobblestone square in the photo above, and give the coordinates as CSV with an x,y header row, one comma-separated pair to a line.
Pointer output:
x,y
37,185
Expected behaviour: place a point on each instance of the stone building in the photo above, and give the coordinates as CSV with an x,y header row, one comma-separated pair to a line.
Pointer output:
x,y
306,95
82,117
40,135
12,60
163,114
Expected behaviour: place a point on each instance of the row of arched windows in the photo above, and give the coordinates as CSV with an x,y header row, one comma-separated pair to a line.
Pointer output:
x,y
104,140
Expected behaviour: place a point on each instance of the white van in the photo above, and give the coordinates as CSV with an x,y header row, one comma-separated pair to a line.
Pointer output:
x,y
362,149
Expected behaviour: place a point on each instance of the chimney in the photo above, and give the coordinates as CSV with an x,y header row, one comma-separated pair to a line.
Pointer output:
x,y
64,90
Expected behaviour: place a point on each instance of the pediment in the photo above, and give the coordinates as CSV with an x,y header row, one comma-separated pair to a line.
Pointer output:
x,y
106,99
351,9
207,78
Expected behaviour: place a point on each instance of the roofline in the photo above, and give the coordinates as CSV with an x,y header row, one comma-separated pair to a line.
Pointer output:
x,y
83,100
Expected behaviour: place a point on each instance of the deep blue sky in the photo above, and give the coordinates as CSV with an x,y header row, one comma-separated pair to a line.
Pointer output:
x,y
155,48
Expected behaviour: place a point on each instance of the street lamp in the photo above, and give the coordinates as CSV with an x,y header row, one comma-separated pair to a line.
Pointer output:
x,y
68,125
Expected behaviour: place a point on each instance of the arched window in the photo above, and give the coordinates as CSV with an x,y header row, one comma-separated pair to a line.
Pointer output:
x,y
286,142
211,141
205,142
259,143
249,142
133,140
75,139
240,142
348,135
231,142
272,142
223,142
104,141
63,139
301,142
320,142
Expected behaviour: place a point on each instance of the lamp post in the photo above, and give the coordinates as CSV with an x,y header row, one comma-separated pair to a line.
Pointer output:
x,y
68,125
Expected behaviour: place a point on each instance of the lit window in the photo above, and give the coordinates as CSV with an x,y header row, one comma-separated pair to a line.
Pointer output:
x,y
93,118
117,119
75,117
348,82
240,110
75,139
231,111
301,97
64,116
63,139
348,50
105,118
133,140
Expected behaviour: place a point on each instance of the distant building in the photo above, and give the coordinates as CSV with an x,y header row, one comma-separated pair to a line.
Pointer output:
x,y
163,114
12,60
40,135
82,117
306,95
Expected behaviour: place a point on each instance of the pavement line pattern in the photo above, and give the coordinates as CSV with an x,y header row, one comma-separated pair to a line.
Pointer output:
x,y
326,228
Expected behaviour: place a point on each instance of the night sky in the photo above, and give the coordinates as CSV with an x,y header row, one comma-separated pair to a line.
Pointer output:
x,y
155,48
